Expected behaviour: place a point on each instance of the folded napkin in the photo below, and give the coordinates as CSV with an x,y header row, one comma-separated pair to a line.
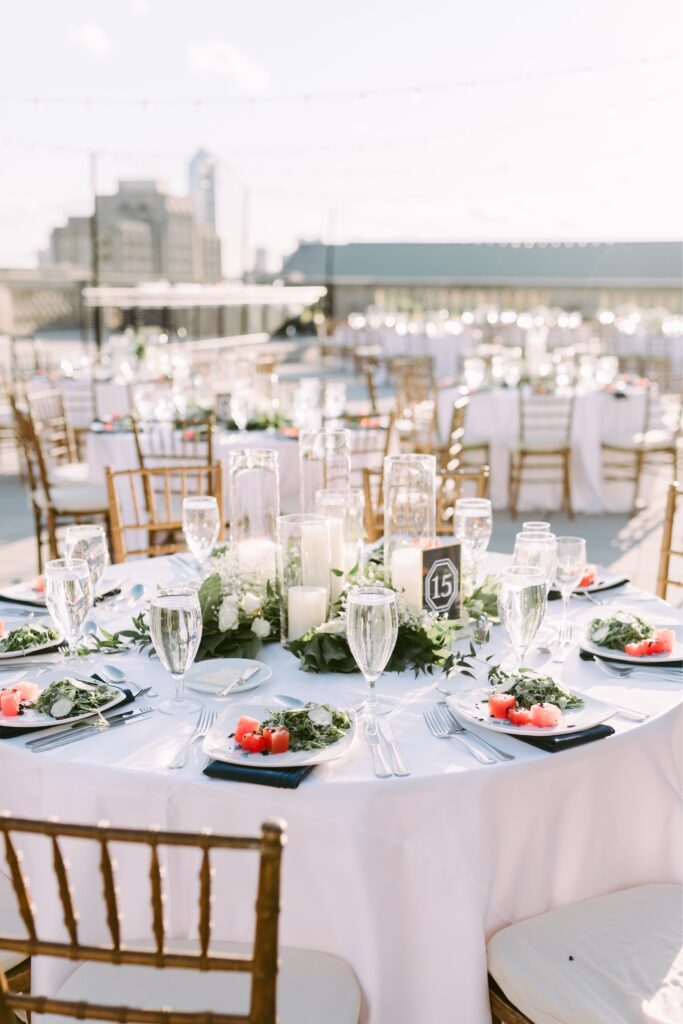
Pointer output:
x,y
555,595
281,778
643,663
9,732
553,744
38,603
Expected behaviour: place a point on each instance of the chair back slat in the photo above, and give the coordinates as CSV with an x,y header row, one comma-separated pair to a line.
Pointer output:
x,y
545,418
452,484
261,963
668,550
64,888
53,426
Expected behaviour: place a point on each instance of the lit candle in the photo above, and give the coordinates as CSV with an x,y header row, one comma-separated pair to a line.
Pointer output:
x,y
406,575
315,555
306,608
337,559
256,559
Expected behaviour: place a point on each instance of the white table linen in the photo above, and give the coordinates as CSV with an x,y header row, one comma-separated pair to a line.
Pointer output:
x,y
403,878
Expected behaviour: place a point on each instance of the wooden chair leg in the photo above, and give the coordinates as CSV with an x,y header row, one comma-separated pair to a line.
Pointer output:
x,y
567,487
638,474
513,488
52,533
38,527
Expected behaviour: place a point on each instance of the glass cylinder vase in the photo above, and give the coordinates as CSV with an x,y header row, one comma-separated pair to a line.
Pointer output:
x,y
254,507
324,463
409,521
344,510
304,563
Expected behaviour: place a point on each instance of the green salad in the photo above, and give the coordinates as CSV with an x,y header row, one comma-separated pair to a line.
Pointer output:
x,y
529,687
68,697
24,637
623,628
311,727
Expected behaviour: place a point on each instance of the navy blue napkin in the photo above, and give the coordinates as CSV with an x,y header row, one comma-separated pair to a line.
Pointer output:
x,y
9,732
8,599
280,778
553,744
555,595
642,663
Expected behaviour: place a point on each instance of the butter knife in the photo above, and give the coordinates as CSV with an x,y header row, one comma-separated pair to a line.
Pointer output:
x,y
71,737
397,764
84,723
382,769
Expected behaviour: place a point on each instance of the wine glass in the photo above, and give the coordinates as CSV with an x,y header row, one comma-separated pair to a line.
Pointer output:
x,y
571,566
69,597
535,526
538,549
201,525
472,525
521,606
371,631
175,625
88,541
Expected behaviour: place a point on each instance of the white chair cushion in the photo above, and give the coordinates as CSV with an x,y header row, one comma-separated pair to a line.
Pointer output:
x,y
312,988
75,498
653,440
616,959
10,924
69,473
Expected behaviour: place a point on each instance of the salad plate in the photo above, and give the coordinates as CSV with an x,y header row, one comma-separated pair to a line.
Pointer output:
x,y
25,639
221,746
626,636
472,705
675,656
216,674
34,719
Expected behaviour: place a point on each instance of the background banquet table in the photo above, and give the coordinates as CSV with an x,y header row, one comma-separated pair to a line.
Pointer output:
x,y
404,878
493,415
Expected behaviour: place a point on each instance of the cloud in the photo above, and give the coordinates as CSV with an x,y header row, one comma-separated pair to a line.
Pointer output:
x,y
217,57
92,38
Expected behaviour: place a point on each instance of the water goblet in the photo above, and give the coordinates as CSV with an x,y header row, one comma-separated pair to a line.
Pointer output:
x,y
535,526
521,606
88,541
571,566
201,525
69,598
175,626
371,631
472,526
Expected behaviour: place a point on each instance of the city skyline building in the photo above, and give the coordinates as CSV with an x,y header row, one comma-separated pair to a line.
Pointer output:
x,y
202,187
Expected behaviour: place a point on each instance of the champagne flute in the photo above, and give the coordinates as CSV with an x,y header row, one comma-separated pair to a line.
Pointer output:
x,y
472,525
175,625
69,598
201,525
371,631
88,541
571,566
521,606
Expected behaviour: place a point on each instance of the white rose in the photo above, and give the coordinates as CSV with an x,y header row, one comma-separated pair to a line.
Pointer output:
x,y
335,626
261,627
228,616
251,603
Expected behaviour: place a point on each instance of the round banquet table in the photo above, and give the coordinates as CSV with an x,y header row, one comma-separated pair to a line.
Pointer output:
x,y
493,415
405,878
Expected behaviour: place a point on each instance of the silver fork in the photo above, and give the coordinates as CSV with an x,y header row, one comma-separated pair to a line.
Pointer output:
x,y
204,723
624,671
447,710
437,729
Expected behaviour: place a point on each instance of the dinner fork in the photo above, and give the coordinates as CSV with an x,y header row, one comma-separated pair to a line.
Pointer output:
x,y
437,729
451,718
204,723
653,671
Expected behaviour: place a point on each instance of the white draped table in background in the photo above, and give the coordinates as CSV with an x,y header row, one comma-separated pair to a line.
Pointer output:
x,y
404,878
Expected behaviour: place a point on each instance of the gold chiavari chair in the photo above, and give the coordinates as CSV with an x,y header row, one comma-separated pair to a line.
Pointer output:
x,y
228,983
668,551
370,444
7,440
57,436
626,457
15,966
373,493
461,446
189,442
543,452
148,502
416,402
53,504
466,481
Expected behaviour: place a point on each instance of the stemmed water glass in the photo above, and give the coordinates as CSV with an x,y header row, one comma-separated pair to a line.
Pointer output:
x,y
535,526
201,525
472,525
521,605
371,631
539,549
175,625
88,541
240,405
69,597
571,566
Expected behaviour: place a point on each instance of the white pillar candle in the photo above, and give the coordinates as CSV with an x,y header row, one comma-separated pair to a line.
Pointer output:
x,y
315,555
337,560
256,559
406,575
306,608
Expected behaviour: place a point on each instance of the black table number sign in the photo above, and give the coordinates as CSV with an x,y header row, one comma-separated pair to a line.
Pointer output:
x,y
441,580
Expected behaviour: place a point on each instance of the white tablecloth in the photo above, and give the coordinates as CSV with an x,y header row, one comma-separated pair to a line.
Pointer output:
x,y
405,879
494,416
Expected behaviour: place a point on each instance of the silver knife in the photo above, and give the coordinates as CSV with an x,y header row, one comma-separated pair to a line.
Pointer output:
x,y
397,763
82,734
83,726
382,769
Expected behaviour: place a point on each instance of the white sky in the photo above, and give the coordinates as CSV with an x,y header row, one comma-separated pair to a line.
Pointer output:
x,y
533,154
